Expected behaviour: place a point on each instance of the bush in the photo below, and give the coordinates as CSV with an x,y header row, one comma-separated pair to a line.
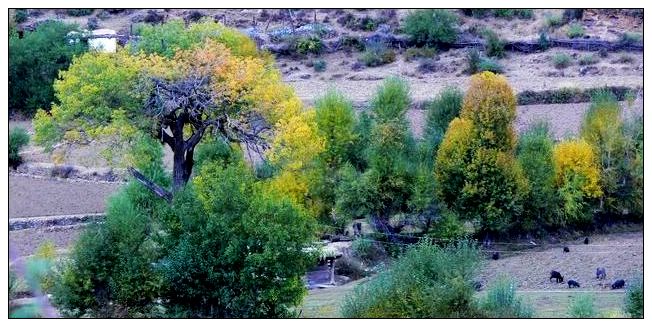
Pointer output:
x,y
80,12
634,137
319,65
524,13
494,47
18,138
473,60
428,281
553,21
534,153
588,59
561,60
306,45
544,42
490,65
630,38
575,30
431,27
36,60
377,54
582,306
502,302
21,15
624,59
424,52
634,298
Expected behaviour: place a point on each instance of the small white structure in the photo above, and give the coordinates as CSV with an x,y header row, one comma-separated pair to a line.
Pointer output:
x,y
103,43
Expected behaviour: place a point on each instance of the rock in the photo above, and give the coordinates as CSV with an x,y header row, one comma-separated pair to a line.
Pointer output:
x,y
305,76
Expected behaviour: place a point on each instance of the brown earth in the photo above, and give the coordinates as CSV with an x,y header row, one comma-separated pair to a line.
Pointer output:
x,y
30,197
621,255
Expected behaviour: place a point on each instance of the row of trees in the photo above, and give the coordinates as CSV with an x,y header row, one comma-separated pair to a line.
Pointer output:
x,y
222,236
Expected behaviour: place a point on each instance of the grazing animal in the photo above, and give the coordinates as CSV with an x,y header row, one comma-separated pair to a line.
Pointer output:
x,y
495,256
572,283
618,284
556,275
566,249
586,240
601,273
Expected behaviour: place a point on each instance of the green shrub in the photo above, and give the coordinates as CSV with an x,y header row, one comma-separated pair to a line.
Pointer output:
x,y
534,153
473,60
349,43
561,60
634,139
634,298
21,15
588,59
544,42
630,38
80,12
18,138
431,27
36,60
319,65
494,46
377,54
625,59
582,306
306,45
490,65
501,301
354,198
553,21
423,52
575,30
427,281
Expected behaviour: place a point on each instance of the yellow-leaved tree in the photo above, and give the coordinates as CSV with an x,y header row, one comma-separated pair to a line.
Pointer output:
x,y
211,86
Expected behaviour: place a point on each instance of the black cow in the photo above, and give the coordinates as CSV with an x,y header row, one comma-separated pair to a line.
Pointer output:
x,y
572,283
556,275
601,273
618,284
566,249
495,256
586,240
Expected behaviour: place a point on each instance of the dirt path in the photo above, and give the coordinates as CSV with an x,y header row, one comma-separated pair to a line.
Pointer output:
x,y
43,197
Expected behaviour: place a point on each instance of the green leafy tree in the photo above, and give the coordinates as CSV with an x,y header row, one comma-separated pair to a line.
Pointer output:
x,y
35,62
336,125
478,175
391,170
534,152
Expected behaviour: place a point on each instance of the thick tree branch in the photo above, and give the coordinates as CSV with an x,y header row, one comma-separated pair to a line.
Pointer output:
x,y
155,188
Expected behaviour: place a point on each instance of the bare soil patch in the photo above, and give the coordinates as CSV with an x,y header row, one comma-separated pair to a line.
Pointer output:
x,y
30,197
620,254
